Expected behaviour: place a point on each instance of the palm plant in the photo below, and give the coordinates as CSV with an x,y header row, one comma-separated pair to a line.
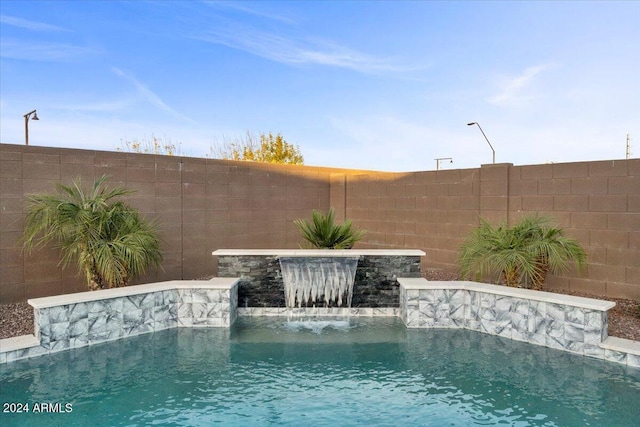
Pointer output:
x,y
108,239
553,250
322,232
497,252
521,255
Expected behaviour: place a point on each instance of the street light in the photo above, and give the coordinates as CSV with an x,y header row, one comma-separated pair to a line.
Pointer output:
x,y
485,137
439,159
30,115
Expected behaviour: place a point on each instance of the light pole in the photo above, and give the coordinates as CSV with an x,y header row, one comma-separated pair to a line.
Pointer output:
x,y
485,137
439,159
30,115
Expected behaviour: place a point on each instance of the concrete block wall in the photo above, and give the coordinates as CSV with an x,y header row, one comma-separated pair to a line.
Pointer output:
x,y
597,203
200,204
433,211
206,204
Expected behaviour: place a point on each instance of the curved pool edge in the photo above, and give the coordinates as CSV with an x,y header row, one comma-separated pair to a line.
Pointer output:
x,y
564,322
574,324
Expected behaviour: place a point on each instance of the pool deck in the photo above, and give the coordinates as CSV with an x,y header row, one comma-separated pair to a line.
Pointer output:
x,y
565,322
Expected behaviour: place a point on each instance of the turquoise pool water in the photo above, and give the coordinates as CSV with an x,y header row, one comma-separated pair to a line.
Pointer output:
x,y
369,372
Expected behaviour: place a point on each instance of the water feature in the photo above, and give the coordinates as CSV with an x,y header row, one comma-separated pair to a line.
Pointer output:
x,y
372,372
318,281
273,370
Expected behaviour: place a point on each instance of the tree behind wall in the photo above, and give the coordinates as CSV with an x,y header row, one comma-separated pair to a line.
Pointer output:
x,y
266,148
154,145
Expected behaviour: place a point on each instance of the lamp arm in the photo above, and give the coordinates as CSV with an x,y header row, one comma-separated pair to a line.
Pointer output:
x,y
487,139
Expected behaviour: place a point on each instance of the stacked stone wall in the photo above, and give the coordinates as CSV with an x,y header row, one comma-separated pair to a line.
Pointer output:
x,y
261,283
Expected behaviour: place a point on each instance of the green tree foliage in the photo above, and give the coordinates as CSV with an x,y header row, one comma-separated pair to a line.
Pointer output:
x,y
322,232
154,145
522,255
266,148
109,240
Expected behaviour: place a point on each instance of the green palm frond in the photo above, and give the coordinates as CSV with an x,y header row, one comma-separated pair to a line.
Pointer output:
x,y
520,255
323,232
109,240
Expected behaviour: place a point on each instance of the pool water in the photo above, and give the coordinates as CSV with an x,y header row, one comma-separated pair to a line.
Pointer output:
x,y
364,372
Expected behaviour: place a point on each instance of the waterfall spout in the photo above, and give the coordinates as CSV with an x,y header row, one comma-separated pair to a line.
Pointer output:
x,y
318,281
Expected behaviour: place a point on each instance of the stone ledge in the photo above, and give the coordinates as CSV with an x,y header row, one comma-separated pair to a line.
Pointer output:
x,y
318,252
621,345
66,299
18,343
581,302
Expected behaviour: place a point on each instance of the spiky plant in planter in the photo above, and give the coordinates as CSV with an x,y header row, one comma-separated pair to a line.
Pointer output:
x,y
322,231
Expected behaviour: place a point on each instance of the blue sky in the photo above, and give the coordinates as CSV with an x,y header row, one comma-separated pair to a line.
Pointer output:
x,y
366,85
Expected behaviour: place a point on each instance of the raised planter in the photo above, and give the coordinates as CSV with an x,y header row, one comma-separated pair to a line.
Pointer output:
x,y
77,320
565,322
568,323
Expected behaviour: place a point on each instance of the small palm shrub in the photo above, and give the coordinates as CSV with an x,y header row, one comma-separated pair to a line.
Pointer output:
x,y
554,251
522,255
109,240
322,231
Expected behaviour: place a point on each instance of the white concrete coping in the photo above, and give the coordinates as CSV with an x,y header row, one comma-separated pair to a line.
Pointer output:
x,y
319,252
622,345
54,301
18,343
581,302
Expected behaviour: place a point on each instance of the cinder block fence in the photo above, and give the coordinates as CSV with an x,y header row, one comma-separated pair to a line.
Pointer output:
x,y
206,204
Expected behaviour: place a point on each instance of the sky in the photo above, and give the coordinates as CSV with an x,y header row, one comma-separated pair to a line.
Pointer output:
x,y
377,85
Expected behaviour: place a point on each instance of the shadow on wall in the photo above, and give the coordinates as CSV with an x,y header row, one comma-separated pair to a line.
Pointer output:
x,y
206,204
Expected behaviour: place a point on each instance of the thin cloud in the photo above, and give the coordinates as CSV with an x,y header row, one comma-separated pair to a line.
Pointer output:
x,y
248,10
296,52
99,107
149,95
29,25
514,89
45,52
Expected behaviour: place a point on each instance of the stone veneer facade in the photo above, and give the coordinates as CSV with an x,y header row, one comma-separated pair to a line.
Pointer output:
x,y
564,322
77,320
375,285
574,324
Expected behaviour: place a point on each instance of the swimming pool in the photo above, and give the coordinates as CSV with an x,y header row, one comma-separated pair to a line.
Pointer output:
x,y
366,372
